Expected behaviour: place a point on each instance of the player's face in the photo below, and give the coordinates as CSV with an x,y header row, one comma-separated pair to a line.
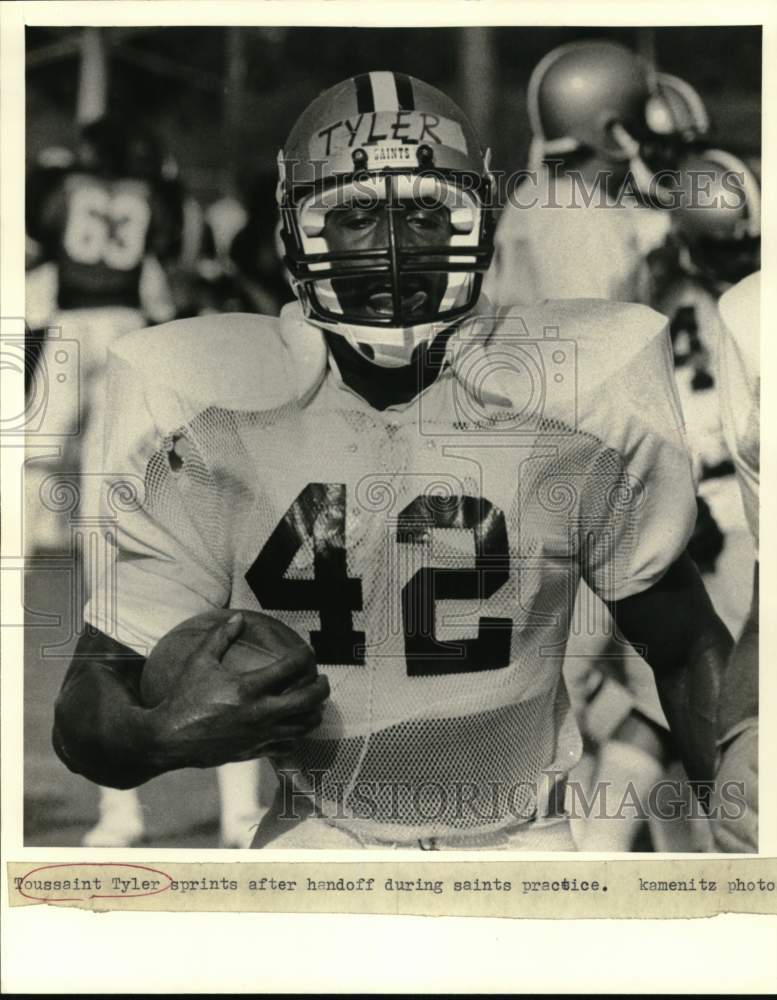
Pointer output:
x,y
354,227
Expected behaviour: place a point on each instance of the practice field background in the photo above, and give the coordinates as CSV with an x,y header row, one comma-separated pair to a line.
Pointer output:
x,y
224,99
180,810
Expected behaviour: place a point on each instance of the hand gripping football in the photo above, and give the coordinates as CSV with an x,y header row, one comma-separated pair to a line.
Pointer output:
x,y
262,641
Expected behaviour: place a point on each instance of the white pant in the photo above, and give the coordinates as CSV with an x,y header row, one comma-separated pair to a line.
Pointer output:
x,y
314,833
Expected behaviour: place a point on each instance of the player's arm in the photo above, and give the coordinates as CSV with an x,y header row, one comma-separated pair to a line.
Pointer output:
x,y
212,717
675,628
100,728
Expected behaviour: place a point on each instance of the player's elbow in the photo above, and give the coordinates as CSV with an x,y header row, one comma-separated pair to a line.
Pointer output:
x,y
84,760
84,733
76,752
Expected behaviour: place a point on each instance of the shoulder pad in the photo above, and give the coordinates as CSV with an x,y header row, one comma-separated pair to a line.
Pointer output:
x,y
238,361
740,310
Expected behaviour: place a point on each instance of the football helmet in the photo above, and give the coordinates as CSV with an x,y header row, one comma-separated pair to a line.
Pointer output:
x,y
676,109
718,214
389,142
102,146
590,94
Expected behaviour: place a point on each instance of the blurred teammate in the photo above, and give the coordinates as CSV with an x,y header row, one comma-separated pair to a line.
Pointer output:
x,y
217,290
240,268
375,469
578,225
717,228
582,224
716,232
739,369
102,226
256,254
40,285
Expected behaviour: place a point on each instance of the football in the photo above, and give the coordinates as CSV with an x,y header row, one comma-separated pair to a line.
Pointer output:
x,y
262,641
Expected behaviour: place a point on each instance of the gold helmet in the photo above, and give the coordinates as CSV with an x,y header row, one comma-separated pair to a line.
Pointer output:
x,y
591,94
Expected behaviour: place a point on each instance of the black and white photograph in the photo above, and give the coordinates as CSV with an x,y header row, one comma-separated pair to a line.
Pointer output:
x,y
391,437
380,433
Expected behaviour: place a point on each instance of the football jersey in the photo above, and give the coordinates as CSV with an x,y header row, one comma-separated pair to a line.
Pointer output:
x,y
739,373
98,231
692,308
552,244
429,553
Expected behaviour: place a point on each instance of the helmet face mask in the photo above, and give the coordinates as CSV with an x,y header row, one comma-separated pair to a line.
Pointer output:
x,y
386,239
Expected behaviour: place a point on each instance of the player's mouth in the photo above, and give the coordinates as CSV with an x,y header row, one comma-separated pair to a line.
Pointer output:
x,y
381,301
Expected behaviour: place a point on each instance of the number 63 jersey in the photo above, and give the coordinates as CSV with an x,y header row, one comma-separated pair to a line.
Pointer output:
x,y
98,230
430,553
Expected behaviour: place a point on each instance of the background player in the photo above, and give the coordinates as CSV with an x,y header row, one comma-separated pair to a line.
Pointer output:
x,y
739,371
579,224
102,226
588,223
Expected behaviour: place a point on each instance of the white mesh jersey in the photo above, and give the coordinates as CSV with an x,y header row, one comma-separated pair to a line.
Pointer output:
x,y
429,553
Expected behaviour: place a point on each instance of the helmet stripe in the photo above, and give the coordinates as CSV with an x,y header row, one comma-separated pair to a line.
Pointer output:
x,y
404,92
364,99
384,91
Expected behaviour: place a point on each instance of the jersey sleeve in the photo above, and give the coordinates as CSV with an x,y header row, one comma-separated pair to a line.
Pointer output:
x,y
740,388
594,382
638,506
161,570
177,474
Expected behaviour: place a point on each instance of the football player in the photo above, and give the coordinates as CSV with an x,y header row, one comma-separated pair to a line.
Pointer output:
x,y
101,226
577,225
676,119
603,122
739,369
414,483
717,227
